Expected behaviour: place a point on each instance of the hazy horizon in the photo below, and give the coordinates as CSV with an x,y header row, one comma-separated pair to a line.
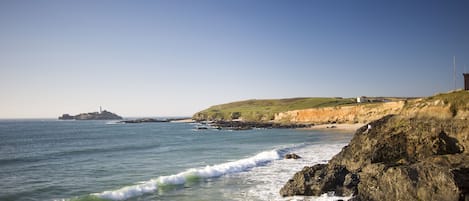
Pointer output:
x,y
174,58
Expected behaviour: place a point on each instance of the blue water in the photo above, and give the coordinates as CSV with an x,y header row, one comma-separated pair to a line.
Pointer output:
x,y
99,160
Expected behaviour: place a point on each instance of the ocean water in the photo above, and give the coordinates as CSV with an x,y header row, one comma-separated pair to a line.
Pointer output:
x,y
102,160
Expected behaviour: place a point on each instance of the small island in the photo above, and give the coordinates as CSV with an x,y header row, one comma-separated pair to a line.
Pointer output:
x,y
101,115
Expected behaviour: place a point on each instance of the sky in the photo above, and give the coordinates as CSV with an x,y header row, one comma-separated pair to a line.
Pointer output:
x,y
177,57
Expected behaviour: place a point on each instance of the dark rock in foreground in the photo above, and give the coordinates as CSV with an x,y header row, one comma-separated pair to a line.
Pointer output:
x,y
104,115
397,159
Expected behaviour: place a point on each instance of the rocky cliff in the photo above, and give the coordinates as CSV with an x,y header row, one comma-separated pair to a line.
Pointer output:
x,y
357,113
302,110
264,110
421,153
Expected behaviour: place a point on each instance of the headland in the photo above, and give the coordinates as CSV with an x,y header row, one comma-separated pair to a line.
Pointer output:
x,y
314,113
420,153
103,115
404,149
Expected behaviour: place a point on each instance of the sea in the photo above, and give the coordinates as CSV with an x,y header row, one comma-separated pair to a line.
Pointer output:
x,y
47,160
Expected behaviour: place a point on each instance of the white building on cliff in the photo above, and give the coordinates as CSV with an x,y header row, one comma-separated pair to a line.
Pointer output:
x,y
362,99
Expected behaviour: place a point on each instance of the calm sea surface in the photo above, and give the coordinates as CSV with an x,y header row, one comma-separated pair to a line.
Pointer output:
x,y
102,160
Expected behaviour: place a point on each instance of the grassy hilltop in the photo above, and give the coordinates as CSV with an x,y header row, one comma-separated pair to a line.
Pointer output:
x,y
264,110
302,110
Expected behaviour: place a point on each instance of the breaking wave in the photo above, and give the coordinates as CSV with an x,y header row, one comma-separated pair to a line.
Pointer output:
x,y
193,175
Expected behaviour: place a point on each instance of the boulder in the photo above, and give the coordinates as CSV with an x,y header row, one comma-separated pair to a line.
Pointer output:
x,y
292,156
399,158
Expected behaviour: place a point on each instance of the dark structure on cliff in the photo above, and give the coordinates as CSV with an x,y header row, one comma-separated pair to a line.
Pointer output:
x,y
466,81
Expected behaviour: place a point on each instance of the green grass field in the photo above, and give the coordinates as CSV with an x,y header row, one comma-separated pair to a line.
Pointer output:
x,y
264,110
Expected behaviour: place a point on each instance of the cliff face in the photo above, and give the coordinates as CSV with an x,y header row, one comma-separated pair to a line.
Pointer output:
x,y
360,113
264,110
419,154
301,111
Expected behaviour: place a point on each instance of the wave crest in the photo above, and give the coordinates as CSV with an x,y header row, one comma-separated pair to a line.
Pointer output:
x,y
192,174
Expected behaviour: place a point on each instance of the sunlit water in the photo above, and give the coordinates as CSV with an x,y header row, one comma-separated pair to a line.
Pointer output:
x,y
100,160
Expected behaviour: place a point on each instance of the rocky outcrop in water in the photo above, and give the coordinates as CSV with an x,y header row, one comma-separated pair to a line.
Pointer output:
x,y
152,120
104,115
292,156
144,120
418,155
243,125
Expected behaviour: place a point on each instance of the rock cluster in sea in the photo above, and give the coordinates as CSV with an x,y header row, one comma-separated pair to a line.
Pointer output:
x,y
144,120
246,125
398,158
151,120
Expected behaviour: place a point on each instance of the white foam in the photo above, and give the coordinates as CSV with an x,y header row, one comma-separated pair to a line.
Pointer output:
x,y
265,169
181,178
268,180
129,191
323,197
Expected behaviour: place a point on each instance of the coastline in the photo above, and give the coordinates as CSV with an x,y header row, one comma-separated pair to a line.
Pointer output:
x,y
418,154
188,120
336,127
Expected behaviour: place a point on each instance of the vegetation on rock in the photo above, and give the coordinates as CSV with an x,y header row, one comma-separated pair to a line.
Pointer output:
x,y
264,110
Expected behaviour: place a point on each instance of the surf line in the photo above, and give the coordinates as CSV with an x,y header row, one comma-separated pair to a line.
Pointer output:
x,y
192,175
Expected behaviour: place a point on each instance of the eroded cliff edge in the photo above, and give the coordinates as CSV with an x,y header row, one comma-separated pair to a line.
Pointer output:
x,y
303,110
421,153
356,113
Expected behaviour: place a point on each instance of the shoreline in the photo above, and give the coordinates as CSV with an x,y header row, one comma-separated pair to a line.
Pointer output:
x,y
187,120
421,152
336,127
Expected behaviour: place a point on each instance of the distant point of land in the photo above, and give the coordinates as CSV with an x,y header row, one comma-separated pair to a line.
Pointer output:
x,y
103,115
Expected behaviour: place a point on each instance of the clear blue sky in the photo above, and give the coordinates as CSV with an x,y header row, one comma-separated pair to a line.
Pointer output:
x,y
159,58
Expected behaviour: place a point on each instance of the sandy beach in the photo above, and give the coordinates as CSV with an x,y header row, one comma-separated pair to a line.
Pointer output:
x,y
338,127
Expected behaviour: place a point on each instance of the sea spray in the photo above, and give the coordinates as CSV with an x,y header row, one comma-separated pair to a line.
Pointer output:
x,y
191,175
266,181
